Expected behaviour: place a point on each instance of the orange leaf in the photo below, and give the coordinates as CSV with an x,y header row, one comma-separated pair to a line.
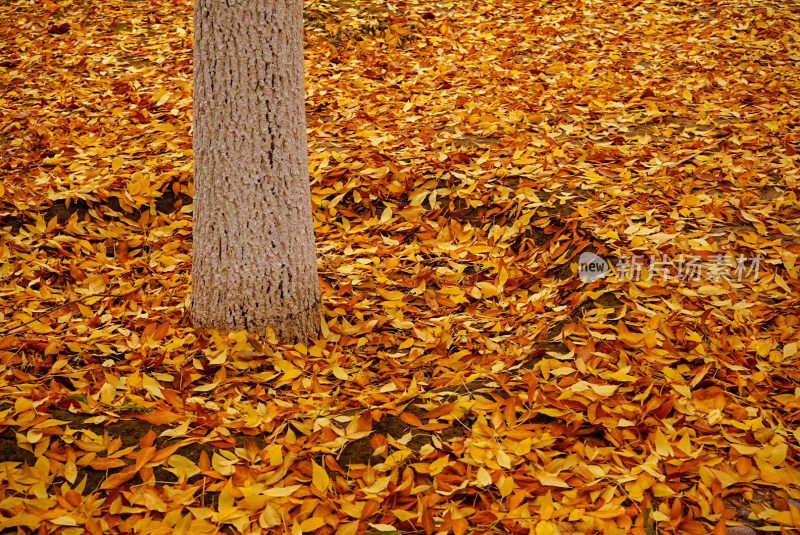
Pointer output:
x,y
147,440
164,453
115,480
427,522
410,419
143,456
159,417
105,463
204,463
441,410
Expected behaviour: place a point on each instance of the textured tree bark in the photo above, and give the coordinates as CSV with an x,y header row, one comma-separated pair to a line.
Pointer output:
x,y
254,260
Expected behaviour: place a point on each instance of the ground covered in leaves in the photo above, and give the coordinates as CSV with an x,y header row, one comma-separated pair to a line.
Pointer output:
x,y
463,156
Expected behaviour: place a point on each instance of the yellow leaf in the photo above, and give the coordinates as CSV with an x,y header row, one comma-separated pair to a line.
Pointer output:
x,y
281,492
70,471
33,436
284,365
658,516
22,519
152,386
383,527
269,517
683,390
691,200
549,480
313,523
777,454
622,375
764,347
347,528
64,520
403,515
320,478
438,465
163,99
749,217
502,278
43,465
505,485
708,289
603,390
226,512
769,475
545,528
179,431
107,393
488,289
340,374
116,163
378,486
137,184
629,338
725,478
788,518
222,465
782,283
183,466
394,295
503,459
386,215
158,95
555,68
484,478
663,448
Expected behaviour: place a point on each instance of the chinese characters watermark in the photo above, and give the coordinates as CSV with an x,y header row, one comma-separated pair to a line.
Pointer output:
x,y
685,268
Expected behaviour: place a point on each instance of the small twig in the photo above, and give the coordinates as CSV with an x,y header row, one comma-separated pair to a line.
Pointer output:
x,y
53,309
698,153
674,164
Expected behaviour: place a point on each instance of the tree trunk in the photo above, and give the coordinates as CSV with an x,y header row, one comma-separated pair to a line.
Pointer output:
x,y
254,259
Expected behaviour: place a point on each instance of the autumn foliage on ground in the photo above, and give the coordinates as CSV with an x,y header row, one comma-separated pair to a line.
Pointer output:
x,y
464,155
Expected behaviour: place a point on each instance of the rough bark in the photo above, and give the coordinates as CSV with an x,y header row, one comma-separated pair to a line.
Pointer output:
x,y
254,259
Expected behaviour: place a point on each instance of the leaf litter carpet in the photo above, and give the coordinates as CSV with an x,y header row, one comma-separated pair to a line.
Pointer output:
x,y
469,162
